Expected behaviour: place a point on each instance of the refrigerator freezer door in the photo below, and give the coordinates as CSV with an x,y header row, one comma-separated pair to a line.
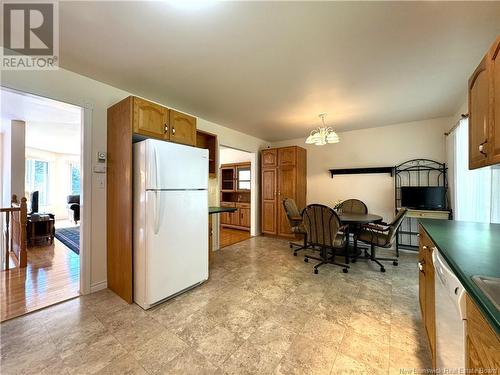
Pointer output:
x,y
170,166
176,242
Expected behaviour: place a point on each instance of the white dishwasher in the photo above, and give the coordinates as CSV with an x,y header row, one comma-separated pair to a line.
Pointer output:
x,y
450,316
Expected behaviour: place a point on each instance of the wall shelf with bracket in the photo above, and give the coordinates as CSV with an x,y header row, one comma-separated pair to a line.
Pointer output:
x,y
340,171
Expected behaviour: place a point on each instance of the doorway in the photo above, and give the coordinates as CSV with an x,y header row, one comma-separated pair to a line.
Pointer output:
x,y
42,148
237,190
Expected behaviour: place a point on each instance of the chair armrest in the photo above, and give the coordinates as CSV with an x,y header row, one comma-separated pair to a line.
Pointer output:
x,y
296,218
343,228
380,228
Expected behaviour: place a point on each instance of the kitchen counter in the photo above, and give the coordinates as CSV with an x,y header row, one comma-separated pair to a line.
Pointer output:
x,y
218,210
470,249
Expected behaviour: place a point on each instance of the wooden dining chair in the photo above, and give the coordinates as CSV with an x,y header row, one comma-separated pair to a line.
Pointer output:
x,y
353,206
324,231
381,235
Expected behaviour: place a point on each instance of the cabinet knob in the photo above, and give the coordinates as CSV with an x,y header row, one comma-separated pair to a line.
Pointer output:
x,y
421,266
166,128
173,130
482,148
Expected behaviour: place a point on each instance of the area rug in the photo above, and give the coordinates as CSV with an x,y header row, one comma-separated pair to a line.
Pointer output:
x,y
70,237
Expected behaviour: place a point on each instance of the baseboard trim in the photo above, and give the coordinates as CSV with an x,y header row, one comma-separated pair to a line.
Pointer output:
x,y
98,286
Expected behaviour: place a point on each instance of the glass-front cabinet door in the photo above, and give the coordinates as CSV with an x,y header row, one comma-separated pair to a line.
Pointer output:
x,y
243,178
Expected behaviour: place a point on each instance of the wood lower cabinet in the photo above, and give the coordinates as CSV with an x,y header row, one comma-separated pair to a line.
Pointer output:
x,y
283,175
269,200
210,239
482,342
484,110
131,119
239,219
287,186
426,290
225,217
243,214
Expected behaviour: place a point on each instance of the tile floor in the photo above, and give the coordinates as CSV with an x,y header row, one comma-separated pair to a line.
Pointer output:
x,y
263,311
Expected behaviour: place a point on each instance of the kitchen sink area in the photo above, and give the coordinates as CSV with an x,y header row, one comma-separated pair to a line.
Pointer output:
x,y
490,286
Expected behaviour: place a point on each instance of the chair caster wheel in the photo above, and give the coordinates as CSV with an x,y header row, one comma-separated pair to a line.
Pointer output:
x,y
294,254
306,260
291,247
395,263
345,270
316,272
382,270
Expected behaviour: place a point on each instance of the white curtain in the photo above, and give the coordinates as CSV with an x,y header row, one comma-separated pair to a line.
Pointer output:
x,y
474,194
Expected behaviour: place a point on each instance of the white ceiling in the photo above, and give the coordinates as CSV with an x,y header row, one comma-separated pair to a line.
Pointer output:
x,y
268,68
50,125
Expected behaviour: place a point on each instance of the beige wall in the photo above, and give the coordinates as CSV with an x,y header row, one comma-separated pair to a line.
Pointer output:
x,y
13,159
383,146
76,89
230,155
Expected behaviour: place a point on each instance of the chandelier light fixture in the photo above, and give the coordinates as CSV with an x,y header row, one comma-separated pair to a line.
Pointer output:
x,y
322,135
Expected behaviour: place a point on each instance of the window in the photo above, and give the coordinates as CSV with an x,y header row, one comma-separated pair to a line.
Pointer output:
x,y
243,178
37,179
476,192
75,178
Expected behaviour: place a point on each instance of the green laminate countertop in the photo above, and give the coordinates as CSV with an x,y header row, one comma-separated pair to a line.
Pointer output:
x,y
470,249
218,210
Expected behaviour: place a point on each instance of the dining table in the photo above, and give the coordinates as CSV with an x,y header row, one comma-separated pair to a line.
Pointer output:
x,y
353,222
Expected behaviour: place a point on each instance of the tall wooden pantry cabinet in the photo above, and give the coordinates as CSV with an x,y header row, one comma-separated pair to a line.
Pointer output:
x,y
284,175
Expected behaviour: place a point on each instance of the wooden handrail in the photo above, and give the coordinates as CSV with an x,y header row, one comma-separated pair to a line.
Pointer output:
x,y
10,209
15,232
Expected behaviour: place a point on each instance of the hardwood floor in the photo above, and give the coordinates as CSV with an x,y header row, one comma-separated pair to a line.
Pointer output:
x,y
228,236
52,276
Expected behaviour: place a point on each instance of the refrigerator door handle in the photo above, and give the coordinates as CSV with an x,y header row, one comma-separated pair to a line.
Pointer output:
x,y
157,168
157,212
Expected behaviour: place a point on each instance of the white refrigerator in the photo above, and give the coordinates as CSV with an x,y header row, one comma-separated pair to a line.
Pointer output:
x,y
170,220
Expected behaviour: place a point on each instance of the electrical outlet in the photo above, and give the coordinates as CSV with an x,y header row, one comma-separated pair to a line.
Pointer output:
x,y
101,181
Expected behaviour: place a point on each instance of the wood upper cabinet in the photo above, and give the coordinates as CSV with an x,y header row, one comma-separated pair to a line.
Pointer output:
x,y
182,128
150,119
287,156
269,158
495,103
284,175
484,116
478,116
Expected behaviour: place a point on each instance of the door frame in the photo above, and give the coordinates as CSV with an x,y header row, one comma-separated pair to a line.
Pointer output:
x,y
254,193
86,178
